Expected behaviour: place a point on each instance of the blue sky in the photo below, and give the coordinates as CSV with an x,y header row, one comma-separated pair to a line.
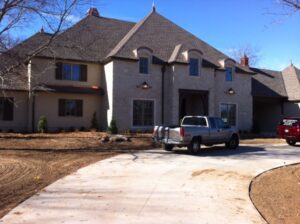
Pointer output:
x,y
223,24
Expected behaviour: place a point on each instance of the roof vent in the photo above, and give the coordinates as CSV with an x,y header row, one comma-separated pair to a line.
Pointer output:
x,y
93,12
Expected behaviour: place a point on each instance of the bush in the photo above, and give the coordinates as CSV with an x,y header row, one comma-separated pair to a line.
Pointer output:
x,y
113,129
94,122
42,124
71,129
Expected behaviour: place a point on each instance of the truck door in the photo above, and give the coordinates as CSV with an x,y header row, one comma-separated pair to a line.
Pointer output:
x,y
215,134
223,131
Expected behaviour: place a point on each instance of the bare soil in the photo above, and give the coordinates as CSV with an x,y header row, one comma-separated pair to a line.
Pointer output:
x,y
28,163
263,141
276,194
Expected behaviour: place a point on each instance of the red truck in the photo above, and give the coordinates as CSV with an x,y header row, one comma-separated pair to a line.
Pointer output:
x,y
289,129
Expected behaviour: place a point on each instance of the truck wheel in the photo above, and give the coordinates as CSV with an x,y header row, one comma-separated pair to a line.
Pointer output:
x,y
290,142
194,147
233,143
167,147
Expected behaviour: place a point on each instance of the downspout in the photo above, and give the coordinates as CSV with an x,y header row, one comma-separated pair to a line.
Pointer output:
x,y
31,99
33,112
163,70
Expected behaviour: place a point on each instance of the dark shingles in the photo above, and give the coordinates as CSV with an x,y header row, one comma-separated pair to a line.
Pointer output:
x,y
268,83
162,36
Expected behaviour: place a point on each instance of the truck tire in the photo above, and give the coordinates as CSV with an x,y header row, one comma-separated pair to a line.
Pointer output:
x,y
290,142
194,146
233,143
167,147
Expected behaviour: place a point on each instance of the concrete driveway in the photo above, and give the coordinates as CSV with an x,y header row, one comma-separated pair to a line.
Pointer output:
x,y
157,187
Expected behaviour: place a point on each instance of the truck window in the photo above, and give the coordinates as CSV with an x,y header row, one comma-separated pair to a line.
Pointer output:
x,y
199,121
220,123
212,123
289,122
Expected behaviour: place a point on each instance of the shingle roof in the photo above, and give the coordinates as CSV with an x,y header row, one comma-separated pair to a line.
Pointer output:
x,y
268,83
91,39
291,77
164,38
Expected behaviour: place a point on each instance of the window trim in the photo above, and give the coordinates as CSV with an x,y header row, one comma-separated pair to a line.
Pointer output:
x,y
236,112
154,113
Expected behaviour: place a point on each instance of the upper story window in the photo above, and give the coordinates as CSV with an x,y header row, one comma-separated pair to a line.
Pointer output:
x,y
71,108
144,65
144,54
228,75
6,109
74,72
194,66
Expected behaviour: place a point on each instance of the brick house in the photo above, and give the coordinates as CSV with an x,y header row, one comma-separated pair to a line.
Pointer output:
x,y
140,74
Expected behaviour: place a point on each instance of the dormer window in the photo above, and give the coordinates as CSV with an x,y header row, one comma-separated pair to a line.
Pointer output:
x,y
194,66
228,75
144,65
144,56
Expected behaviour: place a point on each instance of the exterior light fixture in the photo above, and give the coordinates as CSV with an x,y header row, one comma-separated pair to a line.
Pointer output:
x,y
144,85
230,91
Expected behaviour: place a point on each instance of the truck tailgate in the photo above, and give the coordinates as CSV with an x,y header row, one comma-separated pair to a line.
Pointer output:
x,y
173,134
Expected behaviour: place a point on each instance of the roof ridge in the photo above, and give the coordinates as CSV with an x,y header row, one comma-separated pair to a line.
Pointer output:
x,y
129,35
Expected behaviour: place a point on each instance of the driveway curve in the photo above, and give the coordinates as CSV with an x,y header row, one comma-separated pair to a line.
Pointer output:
x,y
157,187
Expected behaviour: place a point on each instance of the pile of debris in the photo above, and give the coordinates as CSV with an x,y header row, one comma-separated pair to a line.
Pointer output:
x,y
114,138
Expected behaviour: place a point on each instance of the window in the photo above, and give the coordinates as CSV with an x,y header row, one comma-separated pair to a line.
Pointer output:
x,y
199,121
143,113
6,109
228,114
228,77
74,72
212,122
70,108
144,65
194,66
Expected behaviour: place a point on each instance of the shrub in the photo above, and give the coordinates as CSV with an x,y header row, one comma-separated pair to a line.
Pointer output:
x,y
71,129
94,122
82,128
42,124
113,129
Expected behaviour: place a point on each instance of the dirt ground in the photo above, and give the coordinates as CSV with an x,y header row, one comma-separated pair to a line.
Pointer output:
x,y
28,163
276,194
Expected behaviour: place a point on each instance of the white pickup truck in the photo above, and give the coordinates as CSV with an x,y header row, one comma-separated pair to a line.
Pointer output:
x,y
194,131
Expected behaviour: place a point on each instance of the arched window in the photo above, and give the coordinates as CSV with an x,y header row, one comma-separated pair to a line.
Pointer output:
x,y
144,55
229,69
195,62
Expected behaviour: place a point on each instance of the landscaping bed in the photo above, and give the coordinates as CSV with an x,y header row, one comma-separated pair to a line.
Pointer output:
x,y
30,162
276,195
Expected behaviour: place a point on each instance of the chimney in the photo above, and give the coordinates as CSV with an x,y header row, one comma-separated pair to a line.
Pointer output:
x,y
245,60
93,12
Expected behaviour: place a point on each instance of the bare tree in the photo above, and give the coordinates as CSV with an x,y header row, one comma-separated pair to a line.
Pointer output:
x,y
292,4
253,53
16,15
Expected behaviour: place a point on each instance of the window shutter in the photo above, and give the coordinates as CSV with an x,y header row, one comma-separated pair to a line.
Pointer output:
x,y
58,71
8,113
79,105
61,107
83,73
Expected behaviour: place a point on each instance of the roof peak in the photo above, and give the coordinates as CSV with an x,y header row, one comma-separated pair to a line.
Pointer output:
x,y
153,6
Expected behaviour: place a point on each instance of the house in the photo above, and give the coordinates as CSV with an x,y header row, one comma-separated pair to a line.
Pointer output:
x,y
276,94
140,74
